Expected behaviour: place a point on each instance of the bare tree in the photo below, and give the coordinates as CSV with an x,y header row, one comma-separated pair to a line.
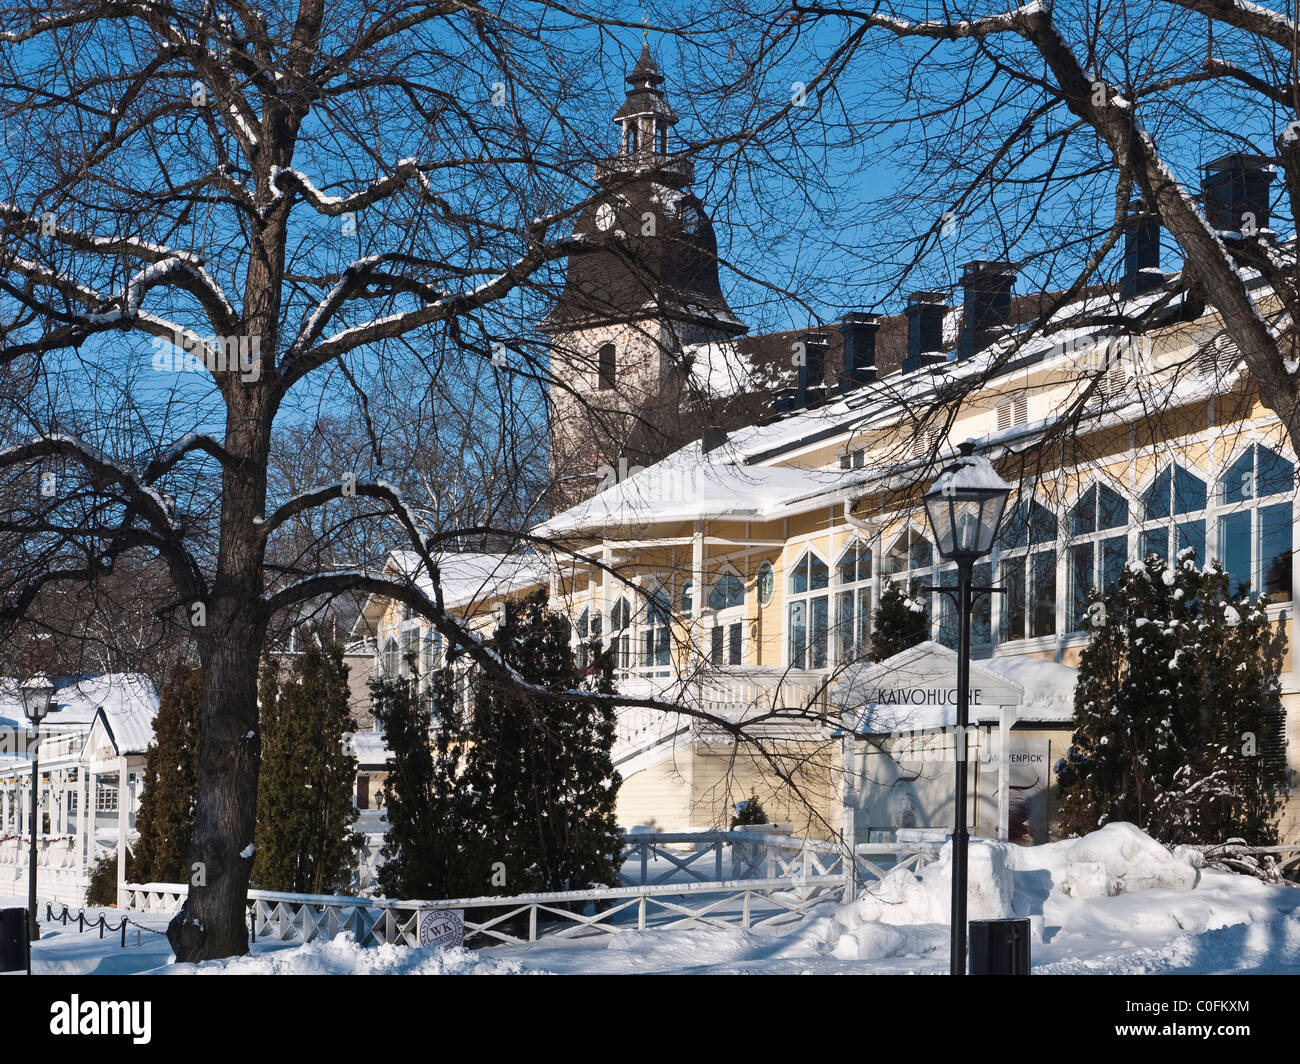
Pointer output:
x,y
220,222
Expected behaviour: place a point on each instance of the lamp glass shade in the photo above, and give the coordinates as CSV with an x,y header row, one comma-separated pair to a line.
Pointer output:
x,y
965,509
36,694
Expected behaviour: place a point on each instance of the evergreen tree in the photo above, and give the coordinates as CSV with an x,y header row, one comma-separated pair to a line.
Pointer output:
x,y
305,809
898,623
166,818
421,852
517,794
1173,713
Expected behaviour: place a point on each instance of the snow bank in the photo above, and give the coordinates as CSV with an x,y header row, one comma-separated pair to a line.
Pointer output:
x,y
342,956
1052,884
1123,859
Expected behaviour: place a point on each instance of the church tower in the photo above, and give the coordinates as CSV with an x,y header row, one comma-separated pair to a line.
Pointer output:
x,y
648,287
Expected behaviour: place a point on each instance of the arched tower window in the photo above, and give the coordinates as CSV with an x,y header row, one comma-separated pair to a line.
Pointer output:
x,y
1173,511
606,367
808,612
1098,548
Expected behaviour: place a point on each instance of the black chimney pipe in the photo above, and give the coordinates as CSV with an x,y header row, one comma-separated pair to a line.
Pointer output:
x,y
1235,192
1141,253
925,313
859,332
986,303
812,372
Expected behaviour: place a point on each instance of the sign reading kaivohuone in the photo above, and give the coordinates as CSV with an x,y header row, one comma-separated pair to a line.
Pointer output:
x,y
921,696
443,928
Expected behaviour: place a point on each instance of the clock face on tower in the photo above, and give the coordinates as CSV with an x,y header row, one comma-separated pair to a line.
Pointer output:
x,y
604,217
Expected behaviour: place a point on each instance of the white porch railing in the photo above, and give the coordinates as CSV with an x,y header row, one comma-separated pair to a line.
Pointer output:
x,y
774,879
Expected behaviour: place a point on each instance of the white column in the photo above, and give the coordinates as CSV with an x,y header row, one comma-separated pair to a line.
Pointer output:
x,y
83,818
1004,772
848,758
122,799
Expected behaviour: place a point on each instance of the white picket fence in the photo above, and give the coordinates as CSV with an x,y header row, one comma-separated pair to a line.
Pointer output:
x,y
774,879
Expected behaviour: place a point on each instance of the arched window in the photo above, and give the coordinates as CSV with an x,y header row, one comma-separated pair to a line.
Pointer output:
x,y
392,659
1173,515
587,631
808,612
727,592
1028,572
910,564
727,635
605,362
620,633
1098,548
853,602
663,140
656,631
1254,534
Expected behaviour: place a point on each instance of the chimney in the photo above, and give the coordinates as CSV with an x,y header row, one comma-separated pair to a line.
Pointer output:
x,y
925,312
986,304
713,438
859,332
1141,253
812,374
1235,191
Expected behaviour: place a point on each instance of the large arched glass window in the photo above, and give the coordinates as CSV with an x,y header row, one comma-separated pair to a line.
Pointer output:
x,y
808,612
656,631
910,563
1173,515
587,632
392,659
853,602
727,635
1098,548
620,633
1028,571
1254,535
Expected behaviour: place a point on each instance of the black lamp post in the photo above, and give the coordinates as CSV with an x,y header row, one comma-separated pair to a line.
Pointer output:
x,y
965,509
37,691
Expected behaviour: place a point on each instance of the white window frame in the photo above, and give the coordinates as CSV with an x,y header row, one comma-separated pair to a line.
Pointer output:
x,y
806,598
725,619
1095,540
1216,510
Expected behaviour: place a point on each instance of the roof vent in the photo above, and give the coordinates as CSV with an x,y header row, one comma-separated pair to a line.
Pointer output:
x,y
986,303
1235,189
925,313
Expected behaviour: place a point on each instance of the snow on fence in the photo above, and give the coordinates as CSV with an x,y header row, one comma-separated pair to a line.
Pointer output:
x,y
773,879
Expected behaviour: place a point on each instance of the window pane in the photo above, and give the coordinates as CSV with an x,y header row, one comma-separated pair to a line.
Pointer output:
x,y
799,578
1155,541
844,625
1013,602
1192,534
1114,553
1081,571
1234,548
848,567
1189,492
1155,500
1112,510
1275,551
819,576
1273,473
663,651
1043,593
949,630
1238,483
1083,518
1042,524
715,651
864,621
798,634
818,636
981,632
733,644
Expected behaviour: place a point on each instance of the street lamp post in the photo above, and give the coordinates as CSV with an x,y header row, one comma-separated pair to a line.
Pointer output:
x,y
37,691
965,509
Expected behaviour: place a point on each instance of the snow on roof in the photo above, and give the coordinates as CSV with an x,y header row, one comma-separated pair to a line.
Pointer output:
x,y
469,577
688,485
370,748
128,702
915,691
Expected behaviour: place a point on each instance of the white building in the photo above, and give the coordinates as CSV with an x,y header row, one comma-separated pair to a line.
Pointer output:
x,y
91,764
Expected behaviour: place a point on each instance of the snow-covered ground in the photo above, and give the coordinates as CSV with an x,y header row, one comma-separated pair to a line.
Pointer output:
x,y
1114,902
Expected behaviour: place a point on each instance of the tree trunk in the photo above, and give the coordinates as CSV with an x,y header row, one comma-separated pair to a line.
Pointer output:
x,y
211,923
